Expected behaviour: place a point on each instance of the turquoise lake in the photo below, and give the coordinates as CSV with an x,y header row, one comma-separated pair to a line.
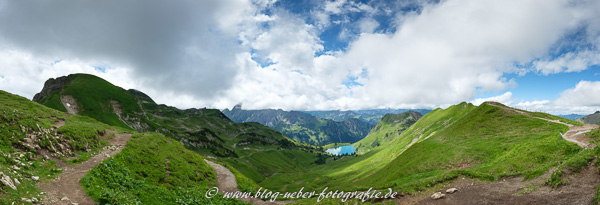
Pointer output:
x,y
347,149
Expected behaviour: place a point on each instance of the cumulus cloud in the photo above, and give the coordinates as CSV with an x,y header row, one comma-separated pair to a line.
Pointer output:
x,y
584,99
454,50
187,47
505,98
568,62
220,53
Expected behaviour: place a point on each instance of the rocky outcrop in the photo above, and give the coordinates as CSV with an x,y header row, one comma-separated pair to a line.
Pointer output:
x,y
591,119
70,104
5,179
50,86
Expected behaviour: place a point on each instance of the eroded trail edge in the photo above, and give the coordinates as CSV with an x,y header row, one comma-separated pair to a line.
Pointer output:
x,y
226,182
65,189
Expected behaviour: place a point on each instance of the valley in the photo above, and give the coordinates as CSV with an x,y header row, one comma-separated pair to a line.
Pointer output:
x,y
104,144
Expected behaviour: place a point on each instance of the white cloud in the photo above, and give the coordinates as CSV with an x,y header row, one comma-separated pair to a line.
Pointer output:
x,y
568,62
585,93
367,25
210,53
505,98
584,99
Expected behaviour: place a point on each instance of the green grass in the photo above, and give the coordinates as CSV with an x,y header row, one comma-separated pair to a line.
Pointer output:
x,y
152,169
482,142
389,128
93,96
20,117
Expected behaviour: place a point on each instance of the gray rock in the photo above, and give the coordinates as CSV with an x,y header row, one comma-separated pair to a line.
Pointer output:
x,y
437,195
35,178
451,190
7,181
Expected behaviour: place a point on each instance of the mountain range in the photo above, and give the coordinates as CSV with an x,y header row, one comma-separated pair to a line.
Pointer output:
x,y
371,116
303,127
591,119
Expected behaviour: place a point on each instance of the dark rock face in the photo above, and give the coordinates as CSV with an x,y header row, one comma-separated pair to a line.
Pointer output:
x,y
50,86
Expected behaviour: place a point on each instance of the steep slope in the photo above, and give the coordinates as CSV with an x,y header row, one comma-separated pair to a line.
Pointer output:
x,y
303,127
484,142
94,97
153,169
29,133
388,128
369,116
591,119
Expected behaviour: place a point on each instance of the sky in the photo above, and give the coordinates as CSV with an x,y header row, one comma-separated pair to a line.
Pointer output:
x,y
539,55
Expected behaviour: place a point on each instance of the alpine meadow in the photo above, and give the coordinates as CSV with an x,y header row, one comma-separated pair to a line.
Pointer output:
x,y
300,102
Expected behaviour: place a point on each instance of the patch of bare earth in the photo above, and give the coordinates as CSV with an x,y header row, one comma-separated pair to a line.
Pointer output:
x,y
580,190
226,182
65,189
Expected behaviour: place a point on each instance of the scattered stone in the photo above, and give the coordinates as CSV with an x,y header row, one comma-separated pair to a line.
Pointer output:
x,y
106,155
17,182
64,198
451,190
74,204
7,181
26,200
437,195
42,193
35,178
34,199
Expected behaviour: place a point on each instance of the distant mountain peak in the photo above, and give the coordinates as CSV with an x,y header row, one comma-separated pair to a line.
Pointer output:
x,y
237,107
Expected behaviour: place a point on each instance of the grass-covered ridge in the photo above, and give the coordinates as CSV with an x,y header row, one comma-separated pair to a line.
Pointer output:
x,y
152,169
484,142
390,127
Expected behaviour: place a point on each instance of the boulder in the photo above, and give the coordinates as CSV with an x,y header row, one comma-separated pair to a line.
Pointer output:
x,y
451,190
7,181
35,178
437,195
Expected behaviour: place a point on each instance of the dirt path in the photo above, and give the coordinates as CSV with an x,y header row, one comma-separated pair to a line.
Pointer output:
x,y
226,182
576,134
65,189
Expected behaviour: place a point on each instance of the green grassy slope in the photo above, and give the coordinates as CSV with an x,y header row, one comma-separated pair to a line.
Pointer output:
x,y
152,169
94,96
484,142
26,128
390,127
